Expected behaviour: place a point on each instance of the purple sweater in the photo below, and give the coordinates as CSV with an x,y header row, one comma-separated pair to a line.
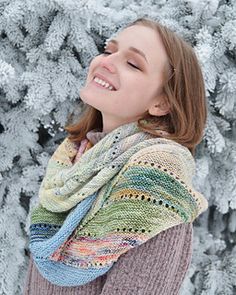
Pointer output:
x,y
157,267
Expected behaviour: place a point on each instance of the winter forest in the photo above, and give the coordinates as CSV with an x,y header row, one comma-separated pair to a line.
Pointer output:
x,y
45,50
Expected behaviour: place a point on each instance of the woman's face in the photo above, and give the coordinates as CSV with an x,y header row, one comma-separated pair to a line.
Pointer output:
x,y
133,63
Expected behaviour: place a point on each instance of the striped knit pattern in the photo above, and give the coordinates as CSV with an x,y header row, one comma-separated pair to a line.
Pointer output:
x,y
116,197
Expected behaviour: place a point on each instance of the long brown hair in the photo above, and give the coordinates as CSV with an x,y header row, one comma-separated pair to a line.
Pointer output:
x,y
185,94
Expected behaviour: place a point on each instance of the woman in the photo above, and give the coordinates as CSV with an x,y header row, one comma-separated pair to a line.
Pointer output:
x,y
124,174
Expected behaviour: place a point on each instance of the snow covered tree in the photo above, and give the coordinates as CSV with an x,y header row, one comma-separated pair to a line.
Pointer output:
x,y
45,50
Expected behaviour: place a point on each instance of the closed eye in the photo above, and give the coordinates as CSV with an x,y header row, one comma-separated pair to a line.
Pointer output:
x,y
129,63
132,65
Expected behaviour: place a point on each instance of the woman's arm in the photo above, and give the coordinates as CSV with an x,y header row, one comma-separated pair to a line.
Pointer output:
x,y
156,267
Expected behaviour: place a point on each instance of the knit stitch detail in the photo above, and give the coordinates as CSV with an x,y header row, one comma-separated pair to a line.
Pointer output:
x,y
123,191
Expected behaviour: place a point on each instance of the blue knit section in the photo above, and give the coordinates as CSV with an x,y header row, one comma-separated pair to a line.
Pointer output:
x,y
64,275
43,249
42,231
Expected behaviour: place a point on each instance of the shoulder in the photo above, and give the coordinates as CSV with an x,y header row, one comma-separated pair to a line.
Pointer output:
x,y
169,156
169,164
167,146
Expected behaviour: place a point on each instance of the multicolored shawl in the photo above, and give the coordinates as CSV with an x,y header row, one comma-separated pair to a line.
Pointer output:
x,y
123,191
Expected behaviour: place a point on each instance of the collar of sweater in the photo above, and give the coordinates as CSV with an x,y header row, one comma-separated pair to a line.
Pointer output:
x,y
95,135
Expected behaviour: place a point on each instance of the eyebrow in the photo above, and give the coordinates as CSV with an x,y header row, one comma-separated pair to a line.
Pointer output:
x,y
130,48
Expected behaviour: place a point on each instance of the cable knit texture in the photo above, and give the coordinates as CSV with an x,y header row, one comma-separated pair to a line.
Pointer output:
x,y
172,213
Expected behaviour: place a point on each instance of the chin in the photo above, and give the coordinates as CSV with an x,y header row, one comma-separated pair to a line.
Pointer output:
x,y
83,95
88,100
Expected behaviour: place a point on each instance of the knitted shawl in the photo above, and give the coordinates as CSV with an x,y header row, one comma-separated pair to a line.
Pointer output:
x,y
121,192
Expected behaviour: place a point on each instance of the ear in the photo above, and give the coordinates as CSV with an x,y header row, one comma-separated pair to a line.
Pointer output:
x,y
160,107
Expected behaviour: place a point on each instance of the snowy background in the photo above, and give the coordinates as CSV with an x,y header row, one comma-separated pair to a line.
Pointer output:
x,y
45,50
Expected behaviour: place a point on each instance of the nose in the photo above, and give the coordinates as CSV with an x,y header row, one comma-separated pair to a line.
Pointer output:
x,y
107,62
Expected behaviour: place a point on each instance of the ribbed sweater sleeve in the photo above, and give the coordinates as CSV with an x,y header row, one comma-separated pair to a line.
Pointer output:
x,y
156,267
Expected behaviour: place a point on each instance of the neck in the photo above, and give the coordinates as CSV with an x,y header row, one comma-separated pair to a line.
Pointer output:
x,y
111,124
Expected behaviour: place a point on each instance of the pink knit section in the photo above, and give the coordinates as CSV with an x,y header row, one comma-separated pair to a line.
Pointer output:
x,y
157,267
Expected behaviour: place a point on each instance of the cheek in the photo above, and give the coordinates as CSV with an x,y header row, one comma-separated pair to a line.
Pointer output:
x,y
137,87
138,93
93,64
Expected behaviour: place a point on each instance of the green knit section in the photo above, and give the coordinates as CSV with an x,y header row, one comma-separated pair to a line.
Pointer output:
x,y
152,182
156,182
131,215
41,215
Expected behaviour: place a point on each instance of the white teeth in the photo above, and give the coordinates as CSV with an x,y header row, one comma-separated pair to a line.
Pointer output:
x,y
103,83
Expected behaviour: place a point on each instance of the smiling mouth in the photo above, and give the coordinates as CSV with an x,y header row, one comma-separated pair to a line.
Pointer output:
x,y
103,84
